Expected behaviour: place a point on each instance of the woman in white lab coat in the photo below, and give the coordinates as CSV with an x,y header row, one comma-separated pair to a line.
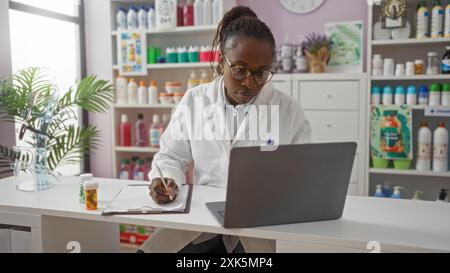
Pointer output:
x,y
235,104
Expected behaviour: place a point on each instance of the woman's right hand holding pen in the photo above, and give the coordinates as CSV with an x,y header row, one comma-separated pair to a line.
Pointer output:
x,y
162,195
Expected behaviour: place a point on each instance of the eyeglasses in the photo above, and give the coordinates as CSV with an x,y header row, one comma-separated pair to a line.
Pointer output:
x,y
240,73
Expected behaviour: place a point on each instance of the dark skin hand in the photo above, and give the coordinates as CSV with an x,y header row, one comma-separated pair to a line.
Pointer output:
x,y
252,54
159,193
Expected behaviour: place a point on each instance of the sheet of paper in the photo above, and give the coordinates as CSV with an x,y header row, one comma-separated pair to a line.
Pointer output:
x,y
135,198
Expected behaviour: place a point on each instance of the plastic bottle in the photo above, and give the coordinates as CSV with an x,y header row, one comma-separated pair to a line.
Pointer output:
x,y
437,20
198,12
192,81
151,18
387,191
132,18
379,192
90,193
141,132
153,93
132,92
121,19
417,195
435,95
207,12
423,162
445,100
83,178
397,192
142,93
180,13
155,131
377,65
447,21
139,171
411,95
204,78
400,96
443,196
376,95
419,67
388,67
217,11
142,18
388,95
124,131
440,149
121,90
400,70
422,20
410,69
445,65
166,14
125,171
188,14
423,95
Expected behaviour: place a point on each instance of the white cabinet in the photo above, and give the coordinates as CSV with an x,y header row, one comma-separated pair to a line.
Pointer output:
x,y
336,107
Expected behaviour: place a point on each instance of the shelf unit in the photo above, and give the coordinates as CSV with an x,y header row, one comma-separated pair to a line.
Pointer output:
x,y
404,50
174,66
210,29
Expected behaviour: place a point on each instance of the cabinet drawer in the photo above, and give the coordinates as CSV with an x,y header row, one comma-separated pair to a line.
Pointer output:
x,y
342,95
333,125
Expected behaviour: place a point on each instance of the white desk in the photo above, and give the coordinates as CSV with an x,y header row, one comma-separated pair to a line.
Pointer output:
x,y
55,218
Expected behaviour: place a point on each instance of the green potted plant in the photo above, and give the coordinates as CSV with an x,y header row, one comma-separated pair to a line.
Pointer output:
x,y
27,98
317,48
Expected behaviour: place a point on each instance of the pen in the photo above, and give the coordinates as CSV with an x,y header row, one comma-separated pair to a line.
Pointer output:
x,y
164,181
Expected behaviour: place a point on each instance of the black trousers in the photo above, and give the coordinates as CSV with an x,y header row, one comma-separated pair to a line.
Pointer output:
x,y
214,245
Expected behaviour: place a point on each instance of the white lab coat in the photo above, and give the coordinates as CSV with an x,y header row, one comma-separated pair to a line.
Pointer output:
x,y
211,157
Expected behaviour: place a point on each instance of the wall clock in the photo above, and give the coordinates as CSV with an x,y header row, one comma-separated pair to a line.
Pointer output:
x,y
301,6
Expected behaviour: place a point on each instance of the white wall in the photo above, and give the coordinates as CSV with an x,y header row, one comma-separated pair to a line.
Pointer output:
x,y
98,60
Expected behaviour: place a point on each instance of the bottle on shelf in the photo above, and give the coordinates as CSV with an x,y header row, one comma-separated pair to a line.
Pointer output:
x,y
132,18
423,162
423,95
440,149
419,67
417,195
400,70
141,132
388,95
376,95
379,192
180,12
217,11
124,171
121,90
155,131
400,96
142,18
133,163
388,67
445,100
447,21
445,65
422,20
204,78
188,14
411,95
387,191
397,192
198,12
151,18
435,94
207,12
142,93
193,80
437,20
139,171
377,65
121,19
124,131
166,14
153,93
433,63
410,69
443,196
132,92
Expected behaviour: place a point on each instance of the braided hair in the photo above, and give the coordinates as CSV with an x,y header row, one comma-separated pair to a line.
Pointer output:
x,y
240,21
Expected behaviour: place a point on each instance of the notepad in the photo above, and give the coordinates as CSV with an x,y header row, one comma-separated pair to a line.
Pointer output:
x,y
137,200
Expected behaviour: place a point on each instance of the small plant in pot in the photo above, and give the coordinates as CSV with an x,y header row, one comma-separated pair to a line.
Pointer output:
x,y
317,48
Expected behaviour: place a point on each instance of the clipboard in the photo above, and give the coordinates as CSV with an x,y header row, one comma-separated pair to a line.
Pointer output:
x,y
135,200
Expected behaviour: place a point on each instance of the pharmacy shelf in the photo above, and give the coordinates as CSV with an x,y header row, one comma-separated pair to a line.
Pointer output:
x,y
175,65
180,30
409,172
145,106
150,150
411,78
409,42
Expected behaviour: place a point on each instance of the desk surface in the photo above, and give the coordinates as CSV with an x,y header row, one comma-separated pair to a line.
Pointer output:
x,y
399,225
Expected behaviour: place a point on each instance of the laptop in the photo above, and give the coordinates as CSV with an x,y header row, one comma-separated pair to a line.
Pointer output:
x,y
293,184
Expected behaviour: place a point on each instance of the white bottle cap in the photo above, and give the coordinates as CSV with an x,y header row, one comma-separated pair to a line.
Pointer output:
x,y
156,119
86,177
90,185
124,118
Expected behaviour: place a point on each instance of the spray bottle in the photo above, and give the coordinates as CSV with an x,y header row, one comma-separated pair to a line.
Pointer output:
x,y
379,192
397,192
